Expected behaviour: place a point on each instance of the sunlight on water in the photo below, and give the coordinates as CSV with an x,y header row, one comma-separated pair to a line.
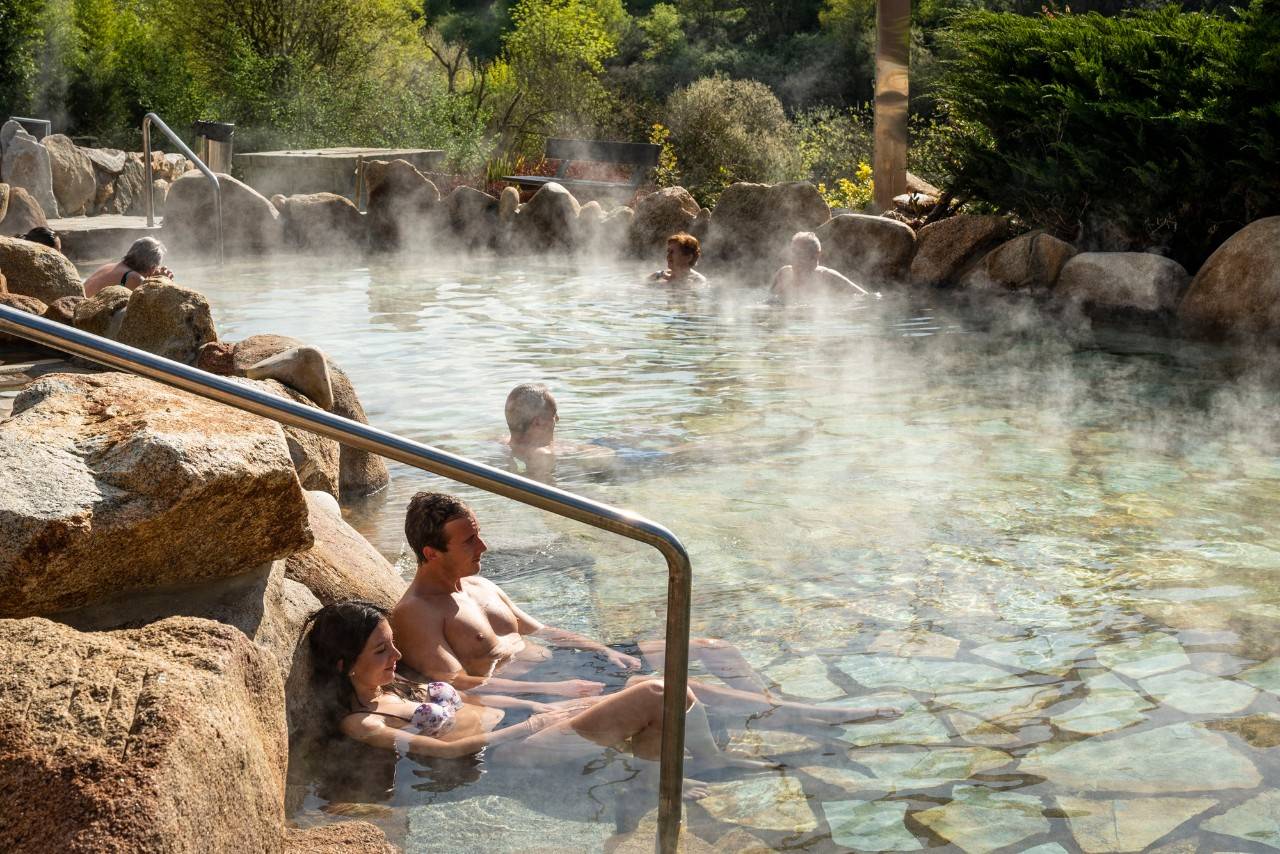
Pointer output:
x,y
1058,559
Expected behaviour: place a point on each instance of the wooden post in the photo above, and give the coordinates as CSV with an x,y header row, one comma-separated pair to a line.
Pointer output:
x,y
893,59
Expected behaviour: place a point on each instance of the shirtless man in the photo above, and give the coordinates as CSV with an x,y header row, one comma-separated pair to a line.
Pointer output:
x,y
453,626
804,279
457,627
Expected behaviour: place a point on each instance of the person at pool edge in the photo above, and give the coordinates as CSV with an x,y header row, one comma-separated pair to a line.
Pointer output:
x,y
683,251
805,278
454,626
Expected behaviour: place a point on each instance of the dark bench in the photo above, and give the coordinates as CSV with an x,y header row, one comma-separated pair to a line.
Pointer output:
x,y
640,156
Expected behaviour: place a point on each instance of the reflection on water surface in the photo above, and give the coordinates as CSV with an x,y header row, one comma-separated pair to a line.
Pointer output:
x,y
1058,557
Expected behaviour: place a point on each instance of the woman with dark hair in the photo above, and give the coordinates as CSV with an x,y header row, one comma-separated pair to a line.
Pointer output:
x,y
144,259
354,658
45,236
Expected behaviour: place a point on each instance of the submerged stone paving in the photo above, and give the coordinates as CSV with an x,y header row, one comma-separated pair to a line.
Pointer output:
x,y
1109,705
979,820
909,770
1101,827
1198,693
1257,820
870,825
1177,758
805,677
1265,676
1053,654
765,803
915,674
1142,656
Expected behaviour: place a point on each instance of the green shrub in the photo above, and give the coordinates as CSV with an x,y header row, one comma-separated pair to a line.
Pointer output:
x,y
20,37
1144,126
730,130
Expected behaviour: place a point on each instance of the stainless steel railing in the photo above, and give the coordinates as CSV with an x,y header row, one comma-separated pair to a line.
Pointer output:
x,y
147,121
368,438
45,125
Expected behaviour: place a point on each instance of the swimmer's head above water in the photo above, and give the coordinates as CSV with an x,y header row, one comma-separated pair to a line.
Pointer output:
x,y
531,415
806,251
444,536
338,636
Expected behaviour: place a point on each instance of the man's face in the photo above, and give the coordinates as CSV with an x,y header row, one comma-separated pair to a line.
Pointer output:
x,y
462,557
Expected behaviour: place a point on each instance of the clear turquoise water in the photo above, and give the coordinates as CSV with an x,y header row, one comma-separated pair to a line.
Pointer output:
x,y
1056,550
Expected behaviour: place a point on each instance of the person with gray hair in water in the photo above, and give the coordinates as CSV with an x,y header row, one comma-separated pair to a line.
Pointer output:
x,y
144,259
804,279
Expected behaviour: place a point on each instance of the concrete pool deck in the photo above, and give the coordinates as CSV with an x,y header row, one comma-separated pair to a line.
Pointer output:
x,y
317,170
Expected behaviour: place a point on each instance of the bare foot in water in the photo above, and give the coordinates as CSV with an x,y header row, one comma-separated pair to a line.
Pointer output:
x,y
694,790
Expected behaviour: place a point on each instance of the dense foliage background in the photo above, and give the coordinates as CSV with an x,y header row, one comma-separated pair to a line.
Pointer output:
x,y
1109,121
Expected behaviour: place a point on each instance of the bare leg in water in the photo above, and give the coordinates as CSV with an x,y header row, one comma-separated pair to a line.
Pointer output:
x,y
633,717
747,692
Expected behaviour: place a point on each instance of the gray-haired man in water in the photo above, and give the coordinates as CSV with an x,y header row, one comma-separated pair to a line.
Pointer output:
x,y
804,278
455,626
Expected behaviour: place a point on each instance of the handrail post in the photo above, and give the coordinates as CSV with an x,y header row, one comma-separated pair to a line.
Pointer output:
x,y
190,155
146,162
368,438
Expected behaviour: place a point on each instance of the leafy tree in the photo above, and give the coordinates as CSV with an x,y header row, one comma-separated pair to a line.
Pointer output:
x,y
20,36
724,131
549,75
1137,124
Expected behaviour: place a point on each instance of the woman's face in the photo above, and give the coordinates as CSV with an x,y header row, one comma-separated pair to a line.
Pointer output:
x,y
376,665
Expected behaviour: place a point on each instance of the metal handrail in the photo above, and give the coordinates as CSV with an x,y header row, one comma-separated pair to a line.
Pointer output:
x,y
147,121
48,125
368,438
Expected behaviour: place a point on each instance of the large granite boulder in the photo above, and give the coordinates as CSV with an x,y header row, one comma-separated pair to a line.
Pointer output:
x,y
116,483
549,219
26,164
1122,285
19,213
164,738
343,837
270,609
471,216
342,564
102,313
315,458
109,160
1236,293
755,222
1030,263
127,193
37,271
168,320
322,221
659,215
361,473
74,184
63,309
508,205
871,250
30,305
945,250
250,223
401,202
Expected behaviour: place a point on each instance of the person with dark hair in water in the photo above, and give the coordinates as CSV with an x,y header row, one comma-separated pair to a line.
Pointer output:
x,y
44,235
354,658
144,259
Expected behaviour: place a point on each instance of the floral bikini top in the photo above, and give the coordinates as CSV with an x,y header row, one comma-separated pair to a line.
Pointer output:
x,y
435,717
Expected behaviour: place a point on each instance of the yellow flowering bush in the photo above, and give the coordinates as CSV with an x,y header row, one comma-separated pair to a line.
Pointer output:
x,y
853,193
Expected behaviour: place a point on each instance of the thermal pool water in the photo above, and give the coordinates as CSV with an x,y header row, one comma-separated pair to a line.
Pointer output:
x,y
1057,553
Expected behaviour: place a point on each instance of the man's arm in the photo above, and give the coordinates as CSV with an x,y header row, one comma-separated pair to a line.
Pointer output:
x,y
842,282
565,638
420,635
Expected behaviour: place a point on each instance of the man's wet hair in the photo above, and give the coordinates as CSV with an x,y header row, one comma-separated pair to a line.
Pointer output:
x,y
688,245
424,522
808,240
526,403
